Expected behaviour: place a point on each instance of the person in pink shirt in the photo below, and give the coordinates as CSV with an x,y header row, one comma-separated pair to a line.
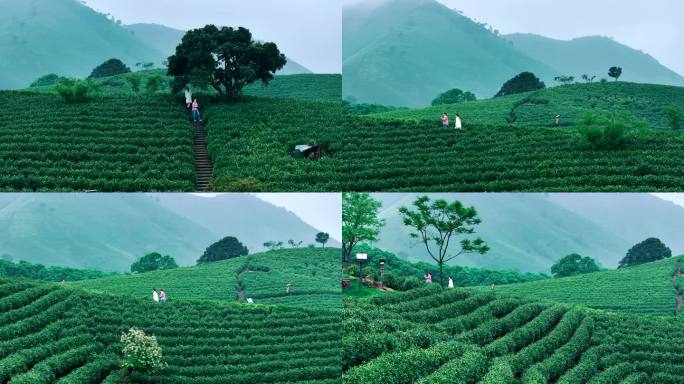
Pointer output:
x,y
195,112
445,120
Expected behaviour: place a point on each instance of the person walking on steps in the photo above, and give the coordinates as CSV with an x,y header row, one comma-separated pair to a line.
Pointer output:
x,y
195,112
155,295
458,124
445,120
188,97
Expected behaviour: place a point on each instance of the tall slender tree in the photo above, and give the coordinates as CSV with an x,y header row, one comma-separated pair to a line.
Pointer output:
x,y
360,221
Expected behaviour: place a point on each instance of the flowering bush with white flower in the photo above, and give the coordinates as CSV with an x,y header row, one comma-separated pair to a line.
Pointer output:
x,y
141,352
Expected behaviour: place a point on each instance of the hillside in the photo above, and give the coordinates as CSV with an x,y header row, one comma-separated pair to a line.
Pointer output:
x,y
593,55
63,37
645,288
105,231
526,232
406,52
312,273
538,109
51,333
433,336
109,231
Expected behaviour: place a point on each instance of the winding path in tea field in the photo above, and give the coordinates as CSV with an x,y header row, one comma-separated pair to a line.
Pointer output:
x,y
203,168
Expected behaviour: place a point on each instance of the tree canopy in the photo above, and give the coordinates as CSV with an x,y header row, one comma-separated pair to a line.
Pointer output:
x,y
615,72
523,82
225,59
453,96
574,264
226,248
152,262
322,238
110,67
651,249
435,223
360,221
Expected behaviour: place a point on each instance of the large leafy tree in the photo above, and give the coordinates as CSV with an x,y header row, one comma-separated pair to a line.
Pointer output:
x,y
152,262
523,82
226,248
110,67
574,264
436,223
453,96
360,221
226,59
322,238
651,249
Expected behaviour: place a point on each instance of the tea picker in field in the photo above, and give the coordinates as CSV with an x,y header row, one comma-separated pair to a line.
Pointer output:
x,y
557,120
458,124
428,278
162,297
195,112
155,295
445,120
451,283
287,289
188,97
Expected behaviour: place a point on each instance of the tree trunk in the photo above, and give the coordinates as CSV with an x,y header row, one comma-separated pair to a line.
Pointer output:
x,y
441,274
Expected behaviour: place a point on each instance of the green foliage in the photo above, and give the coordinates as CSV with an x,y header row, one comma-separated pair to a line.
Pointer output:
x,y
523,82
51,273
51,79
110,67
51,334
360,222
154,83
322,238
646,289
574,264
273,245
437,222
349,108
607,132
312,272
453,96
567,79
200,60
674,115
134,80
152,262
226,248
74,91
651,249
615,72
76,147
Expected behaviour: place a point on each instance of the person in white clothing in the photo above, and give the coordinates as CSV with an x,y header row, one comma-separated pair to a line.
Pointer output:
x,y
155,295
188,97
458,124
451,283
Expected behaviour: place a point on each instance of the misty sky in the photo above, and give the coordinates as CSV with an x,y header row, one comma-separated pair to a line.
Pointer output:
x,y
322,211
307,31
653,26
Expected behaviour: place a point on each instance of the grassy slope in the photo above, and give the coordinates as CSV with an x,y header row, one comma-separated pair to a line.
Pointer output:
x,y
644,289
433,336
645,101
49,332
312,273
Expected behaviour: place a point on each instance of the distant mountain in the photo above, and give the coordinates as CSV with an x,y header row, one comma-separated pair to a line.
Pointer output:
x,y
406,52
166,39
104,231
594,55
38,37
109,231
243,215
526,232
633,216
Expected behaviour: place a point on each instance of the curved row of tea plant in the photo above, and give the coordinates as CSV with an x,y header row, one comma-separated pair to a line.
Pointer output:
x,y
108,144
49,333
313,275
430,335
643,288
